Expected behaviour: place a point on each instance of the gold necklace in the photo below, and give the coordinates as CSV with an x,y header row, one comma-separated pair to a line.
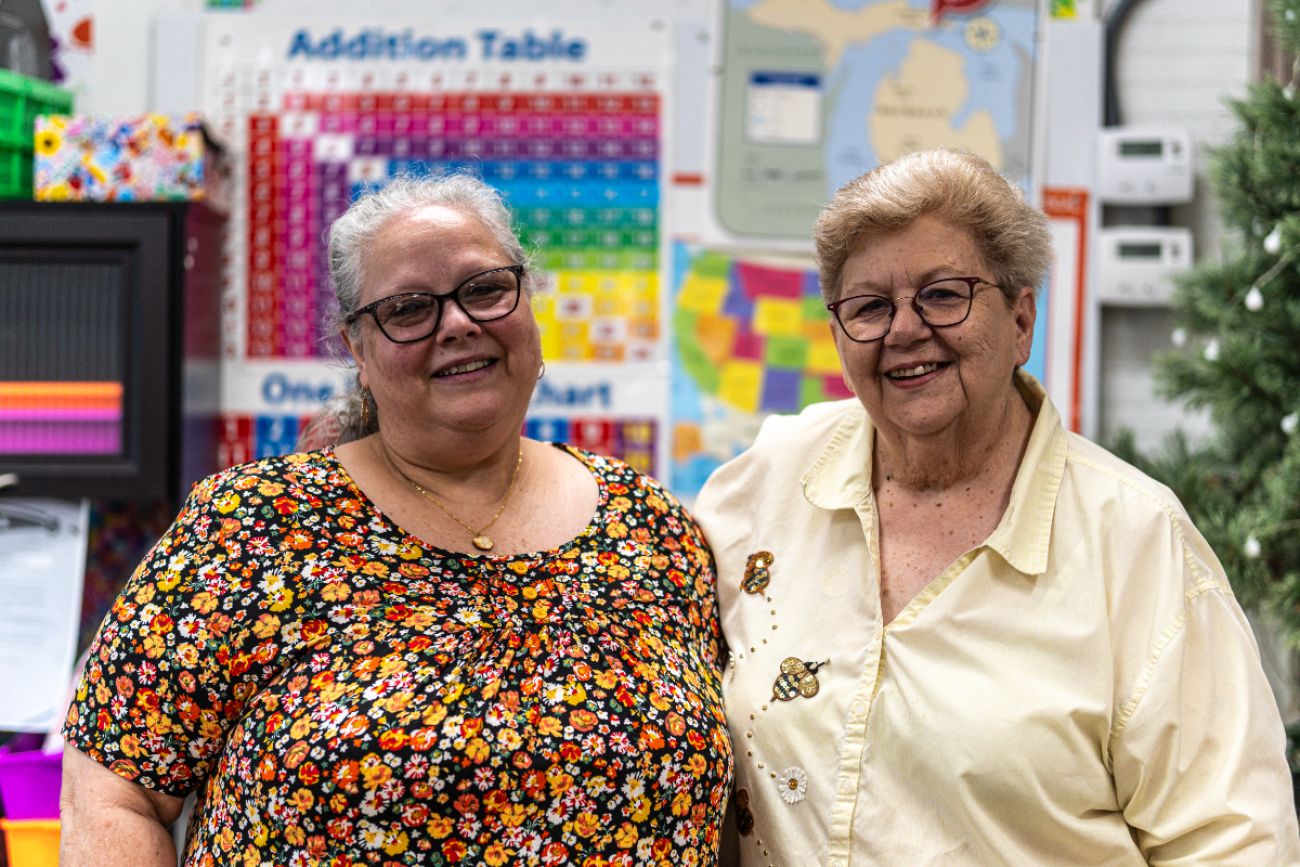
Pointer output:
x,y
481,539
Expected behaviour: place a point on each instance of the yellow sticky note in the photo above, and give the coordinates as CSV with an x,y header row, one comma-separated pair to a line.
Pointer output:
x,y
780,316
740,383
610,304
703,294
643,284
688,439
550,343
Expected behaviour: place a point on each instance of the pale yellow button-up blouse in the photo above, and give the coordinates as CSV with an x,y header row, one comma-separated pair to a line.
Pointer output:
x,y
1080,689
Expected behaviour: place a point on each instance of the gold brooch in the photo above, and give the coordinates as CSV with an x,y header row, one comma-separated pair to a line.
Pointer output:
x,y
797,678
756,574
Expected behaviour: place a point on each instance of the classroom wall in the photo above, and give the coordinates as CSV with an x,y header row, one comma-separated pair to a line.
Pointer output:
x,y
1179,61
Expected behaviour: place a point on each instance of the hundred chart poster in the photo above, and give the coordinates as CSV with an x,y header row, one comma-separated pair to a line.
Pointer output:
x,y
567,119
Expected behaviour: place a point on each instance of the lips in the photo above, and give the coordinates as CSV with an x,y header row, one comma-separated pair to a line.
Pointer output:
x,y
464,367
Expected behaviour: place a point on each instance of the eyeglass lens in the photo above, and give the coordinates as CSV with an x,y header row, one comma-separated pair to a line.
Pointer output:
x,y
868,317
484,297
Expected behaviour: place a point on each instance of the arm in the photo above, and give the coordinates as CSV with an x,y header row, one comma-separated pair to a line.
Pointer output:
x,y
1199,757
108,821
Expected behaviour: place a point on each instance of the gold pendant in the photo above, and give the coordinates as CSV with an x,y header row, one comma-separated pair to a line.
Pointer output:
x,y
483,542
756,574
797,678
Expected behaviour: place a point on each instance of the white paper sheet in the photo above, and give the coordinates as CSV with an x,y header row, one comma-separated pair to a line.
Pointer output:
x,y
42,563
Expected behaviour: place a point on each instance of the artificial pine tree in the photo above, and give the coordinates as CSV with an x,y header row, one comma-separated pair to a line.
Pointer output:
x,y
1238,320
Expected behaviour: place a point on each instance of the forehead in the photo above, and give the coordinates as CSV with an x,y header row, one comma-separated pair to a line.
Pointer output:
x,y
431,226
425,248
928,247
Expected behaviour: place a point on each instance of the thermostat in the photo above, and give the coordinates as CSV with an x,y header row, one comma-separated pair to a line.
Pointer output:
x,y
1136,264
1144,165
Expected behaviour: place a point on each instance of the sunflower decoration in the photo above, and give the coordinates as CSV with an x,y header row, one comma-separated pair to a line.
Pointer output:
x,y
48,142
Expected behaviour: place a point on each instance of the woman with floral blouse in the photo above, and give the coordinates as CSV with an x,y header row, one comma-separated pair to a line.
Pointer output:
x,y
435,643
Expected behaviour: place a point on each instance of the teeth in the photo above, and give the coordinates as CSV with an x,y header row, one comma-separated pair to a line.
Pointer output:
x,y
463,368
912,371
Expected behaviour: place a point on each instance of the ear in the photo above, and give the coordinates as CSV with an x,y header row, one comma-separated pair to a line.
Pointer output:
x,y
1025,312
354,349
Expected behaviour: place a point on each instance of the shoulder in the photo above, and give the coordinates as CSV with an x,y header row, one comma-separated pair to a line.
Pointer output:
x,y
617,478
636,503
1109,481
297,479
1141,519
786,447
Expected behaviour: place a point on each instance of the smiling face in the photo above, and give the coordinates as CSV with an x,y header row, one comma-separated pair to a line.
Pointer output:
x,y
469,377
918,381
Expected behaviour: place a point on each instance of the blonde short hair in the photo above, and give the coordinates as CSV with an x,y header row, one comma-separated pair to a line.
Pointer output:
x,y
956,186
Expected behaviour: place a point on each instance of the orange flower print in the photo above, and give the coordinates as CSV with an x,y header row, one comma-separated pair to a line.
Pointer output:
x,y
345,694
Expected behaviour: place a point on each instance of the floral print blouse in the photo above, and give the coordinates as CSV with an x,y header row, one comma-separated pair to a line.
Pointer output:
x,y
343,693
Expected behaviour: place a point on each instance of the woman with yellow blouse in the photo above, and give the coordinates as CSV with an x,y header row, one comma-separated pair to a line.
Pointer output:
x,y
436,643
959,634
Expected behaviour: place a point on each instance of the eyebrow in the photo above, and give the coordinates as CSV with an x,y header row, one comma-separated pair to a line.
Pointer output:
x,y
927,276
408,288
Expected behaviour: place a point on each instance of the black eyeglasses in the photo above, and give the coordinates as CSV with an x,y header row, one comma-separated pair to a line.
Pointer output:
x,y
940,304
414,316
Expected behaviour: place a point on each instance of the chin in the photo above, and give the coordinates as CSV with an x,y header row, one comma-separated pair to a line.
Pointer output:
x,y
920,422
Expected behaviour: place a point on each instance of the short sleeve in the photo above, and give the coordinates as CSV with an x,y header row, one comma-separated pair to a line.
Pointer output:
x,y
156,698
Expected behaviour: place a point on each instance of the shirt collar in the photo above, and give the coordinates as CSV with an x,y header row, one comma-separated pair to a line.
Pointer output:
x,y
841,478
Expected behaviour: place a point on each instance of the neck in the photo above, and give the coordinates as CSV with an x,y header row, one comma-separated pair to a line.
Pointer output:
x,y
472,478
980,455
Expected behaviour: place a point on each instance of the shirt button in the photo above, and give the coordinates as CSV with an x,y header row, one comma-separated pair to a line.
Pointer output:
x,y
846,785
859,710
837,862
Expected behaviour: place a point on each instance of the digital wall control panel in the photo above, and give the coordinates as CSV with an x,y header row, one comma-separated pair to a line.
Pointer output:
x,y
1145,165
1136,264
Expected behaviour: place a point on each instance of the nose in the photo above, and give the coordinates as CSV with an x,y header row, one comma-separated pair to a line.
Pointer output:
x,y
907,326
454,323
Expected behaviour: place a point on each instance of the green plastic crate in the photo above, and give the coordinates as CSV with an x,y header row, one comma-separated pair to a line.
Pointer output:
x,y
21,99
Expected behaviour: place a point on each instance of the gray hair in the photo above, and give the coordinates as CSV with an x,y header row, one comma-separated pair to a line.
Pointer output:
x,y
964,189
353,233
353,414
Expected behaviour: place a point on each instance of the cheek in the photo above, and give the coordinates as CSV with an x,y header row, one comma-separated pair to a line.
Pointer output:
x,y
393,366
986,356
857,363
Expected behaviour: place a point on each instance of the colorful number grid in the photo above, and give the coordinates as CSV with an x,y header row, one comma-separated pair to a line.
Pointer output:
x,y
250,437
245,437
629,440
581,171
